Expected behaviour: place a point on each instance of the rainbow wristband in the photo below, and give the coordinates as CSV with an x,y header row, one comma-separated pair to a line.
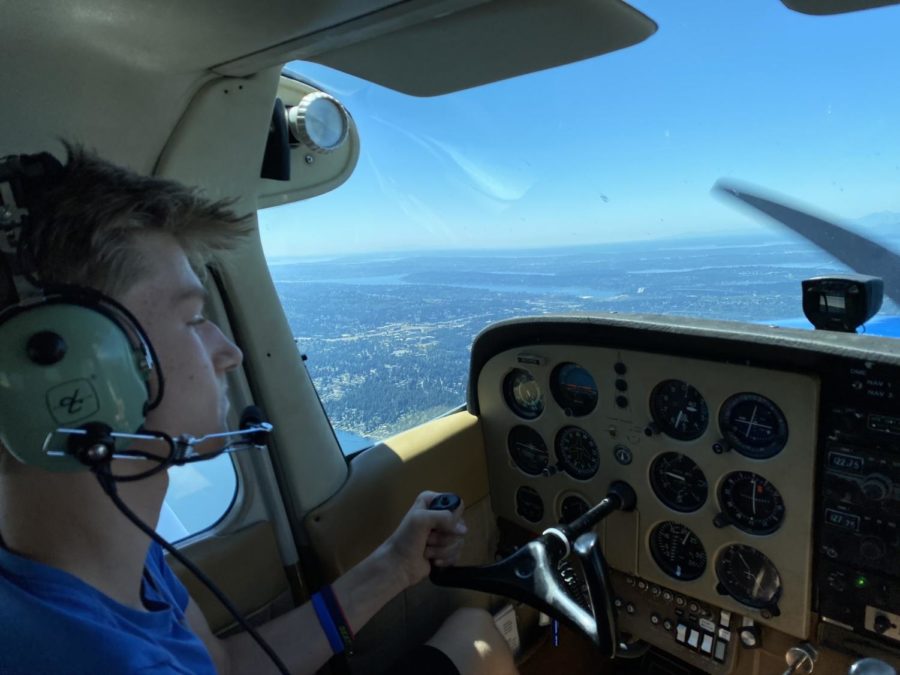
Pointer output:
x,y
328,627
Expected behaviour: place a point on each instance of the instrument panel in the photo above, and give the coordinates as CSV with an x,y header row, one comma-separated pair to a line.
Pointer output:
x,y
721,456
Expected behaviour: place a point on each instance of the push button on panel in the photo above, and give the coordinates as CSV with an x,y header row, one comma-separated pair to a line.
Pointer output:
x,y
707,625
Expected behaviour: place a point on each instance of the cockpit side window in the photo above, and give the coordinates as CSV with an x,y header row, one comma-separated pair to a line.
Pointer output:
x,y
198,497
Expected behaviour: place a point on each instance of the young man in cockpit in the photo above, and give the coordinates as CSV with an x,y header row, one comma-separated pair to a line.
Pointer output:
x,y
82,590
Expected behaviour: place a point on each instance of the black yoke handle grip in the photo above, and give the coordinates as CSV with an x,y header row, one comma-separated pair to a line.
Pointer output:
x,y
445,501
587,548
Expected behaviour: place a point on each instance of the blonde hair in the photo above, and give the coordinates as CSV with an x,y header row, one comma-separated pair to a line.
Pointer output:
x,y
84,231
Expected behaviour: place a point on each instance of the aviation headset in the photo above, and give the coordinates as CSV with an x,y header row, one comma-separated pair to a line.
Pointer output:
x,y
76,368
75,365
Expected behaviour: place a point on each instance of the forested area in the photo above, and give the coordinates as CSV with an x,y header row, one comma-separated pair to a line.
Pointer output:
x,y
388,338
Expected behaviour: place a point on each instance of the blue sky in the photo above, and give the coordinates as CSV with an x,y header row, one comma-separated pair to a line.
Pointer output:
x,y
625,146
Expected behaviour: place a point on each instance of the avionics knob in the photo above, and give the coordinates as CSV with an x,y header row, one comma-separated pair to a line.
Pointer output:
x,y
876,487
872,548
852,420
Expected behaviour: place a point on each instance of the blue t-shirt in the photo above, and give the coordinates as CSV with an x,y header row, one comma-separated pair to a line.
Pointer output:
x,y
52,622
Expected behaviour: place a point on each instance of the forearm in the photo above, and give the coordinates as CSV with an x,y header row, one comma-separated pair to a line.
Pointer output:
x,y
297,636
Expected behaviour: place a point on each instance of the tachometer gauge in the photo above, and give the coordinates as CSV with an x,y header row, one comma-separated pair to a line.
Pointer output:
x,y
749,577
678,551
528,450
751,503
679,410
574,389
753,425
577,452
573,507
678,482
523,394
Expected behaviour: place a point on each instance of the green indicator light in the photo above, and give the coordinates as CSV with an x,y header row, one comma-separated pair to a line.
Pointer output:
x,y
860,581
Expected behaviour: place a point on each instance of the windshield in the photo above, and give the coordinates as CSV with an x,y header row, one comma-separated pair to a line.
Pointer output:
x,y
587,188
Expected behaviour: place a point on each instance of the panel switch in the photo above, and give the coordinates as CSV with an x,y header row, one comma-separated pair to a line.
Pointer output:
x,y
681,632
707,645
721,647
693,640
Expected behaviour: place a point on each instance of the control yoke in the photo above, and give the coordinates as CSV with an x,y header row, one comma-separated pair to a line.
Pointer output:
x,y
530,574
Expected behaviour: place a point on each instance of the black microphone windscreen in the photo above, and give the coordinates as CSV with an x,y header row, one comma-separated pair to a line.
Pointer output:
x,y
251,416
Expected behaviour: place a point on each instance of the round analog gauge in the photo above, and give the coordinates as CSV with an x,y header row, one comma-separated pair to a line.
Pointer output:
x,y
577,452
529,504
523,394
748,576
572,507
753,425
679,410
751,503
574,389
678,551
678,482
528,450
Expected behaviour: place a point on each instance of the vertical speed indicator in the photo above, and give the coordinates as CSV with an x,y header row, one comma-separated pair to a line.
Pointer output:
x,y
748,576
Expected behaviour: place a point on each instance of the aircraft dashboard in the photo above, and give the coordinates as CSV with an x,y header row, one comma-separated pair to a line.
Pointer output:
x,y
766,464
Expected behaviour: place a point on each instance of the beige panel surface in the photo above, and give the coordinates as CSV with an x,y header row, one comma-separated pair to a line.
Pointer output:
x,y
245,565
626,535
446,454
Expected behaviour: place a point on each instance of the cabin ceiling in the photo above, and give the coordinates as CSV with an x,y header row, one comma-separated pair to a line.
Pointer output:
x,y
119,75
172,35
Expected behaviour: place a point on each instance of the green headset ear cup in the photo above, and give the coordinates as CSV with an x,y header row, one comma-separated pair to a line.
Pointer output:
x,y
102,377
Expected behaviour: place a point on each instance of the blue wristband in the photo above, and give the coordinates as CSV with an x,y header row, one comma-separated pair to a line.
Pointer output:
x,y
338,617
328,627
